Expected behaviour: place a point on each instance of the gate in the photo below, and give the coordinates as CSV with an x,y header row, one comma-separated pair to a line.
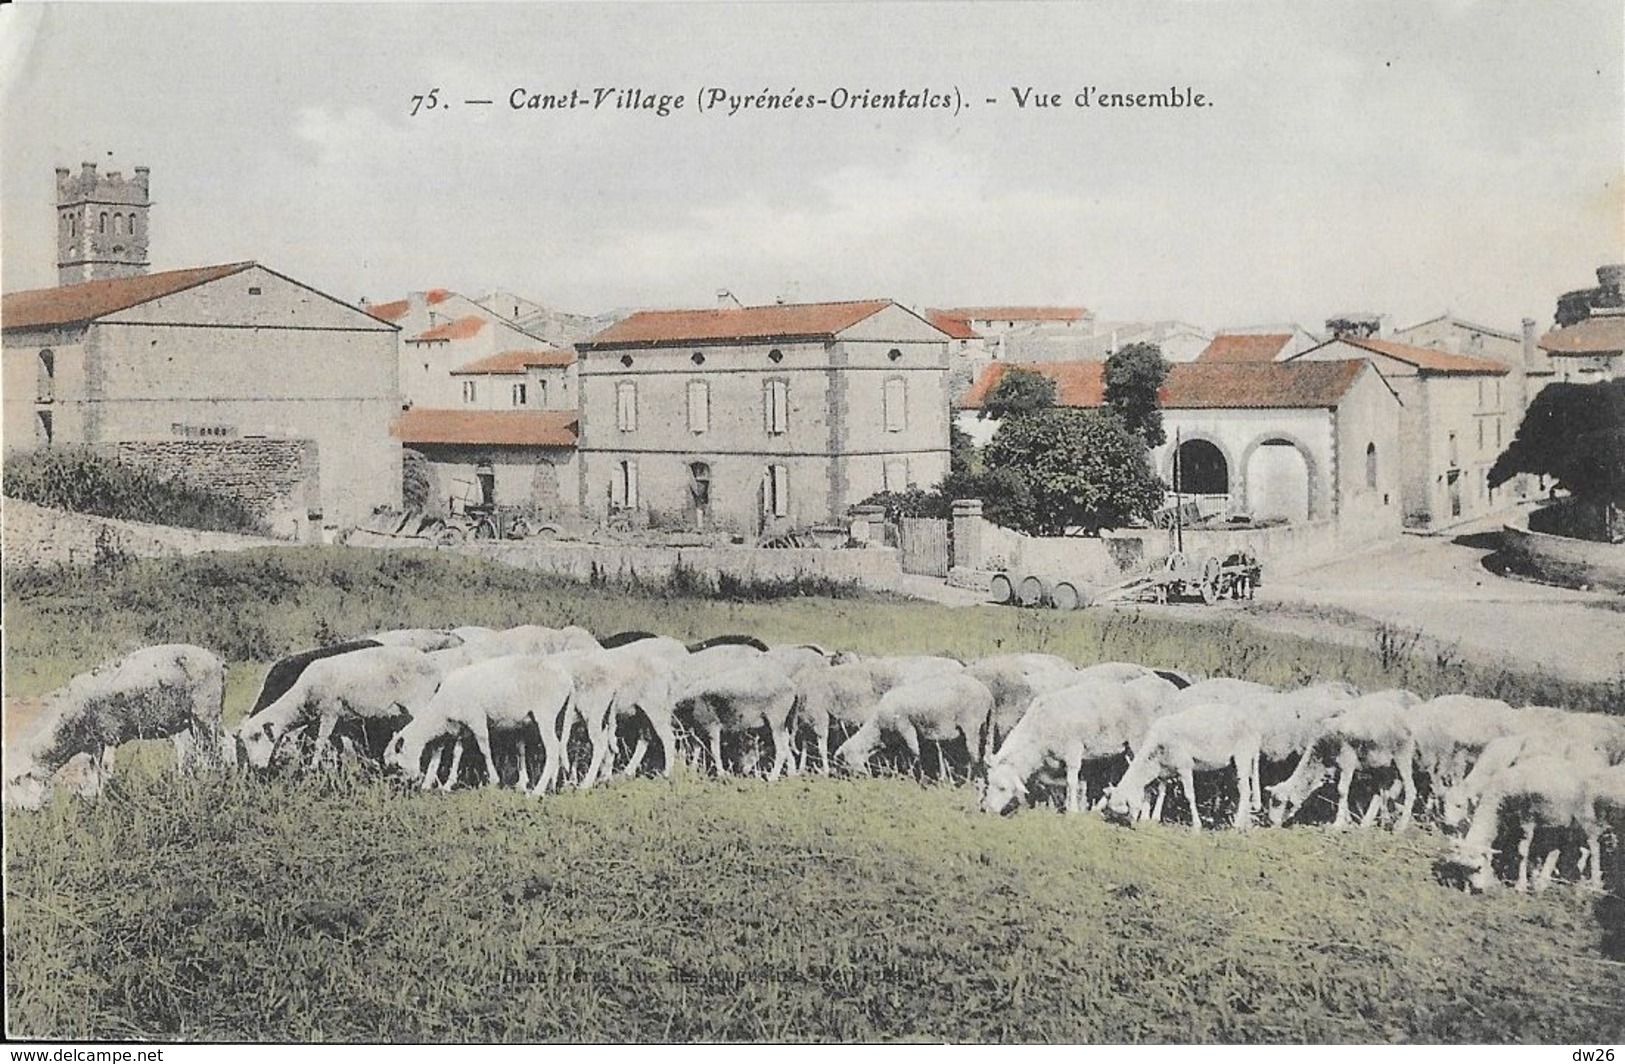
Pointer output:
x,y
924,546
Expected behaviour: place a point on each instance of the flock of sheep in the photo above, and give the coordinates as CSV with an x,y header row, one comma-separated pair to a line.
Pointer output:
x,y
1116,737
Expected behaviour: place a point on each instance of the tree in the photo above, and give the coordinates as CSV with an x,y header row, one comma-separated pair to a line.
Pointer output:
x,y
1018,393
1574,433
1063,469
1133,375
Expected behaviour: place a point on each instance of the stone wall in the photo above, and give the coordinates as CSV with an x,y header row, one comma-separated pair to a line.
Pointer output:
x,y
1571,562
276,477
36,536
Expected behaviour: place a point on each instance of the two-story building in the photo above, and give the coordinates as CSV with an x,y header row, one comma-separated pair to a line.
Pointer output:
x,y
233,375
760,419
1458,414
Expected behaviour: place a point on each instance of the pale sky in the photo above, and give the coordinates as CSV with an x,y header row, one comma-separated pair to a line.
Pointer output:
x,y
1409,157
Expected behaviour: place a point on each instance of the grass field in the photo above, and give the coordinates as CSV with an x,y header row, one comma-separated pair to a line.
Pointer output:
x,y
341,908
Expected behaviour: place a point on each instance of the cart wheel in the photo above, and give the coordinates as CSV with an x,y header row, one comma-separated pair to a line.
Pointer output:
x,y
486,529
1065,596
1031,591
1000,588
449,536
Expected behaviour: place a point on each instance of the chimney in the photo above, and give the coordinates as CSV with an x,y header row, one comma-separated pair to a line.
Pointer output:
x,y
1611,276
726,300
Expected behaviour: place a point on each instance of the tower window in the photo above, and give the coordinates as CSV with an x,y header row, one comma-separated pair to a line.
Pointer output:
x,y
626,406
102,224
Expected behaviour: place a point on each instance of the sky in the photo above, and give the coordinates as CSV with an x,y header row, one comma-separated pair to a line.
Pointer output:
x,y
1408,158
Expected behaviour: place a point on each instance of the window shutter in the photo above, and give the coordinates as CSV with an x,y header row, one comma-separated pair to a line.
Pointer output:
x,y
781,491
631,484
896,405
699,406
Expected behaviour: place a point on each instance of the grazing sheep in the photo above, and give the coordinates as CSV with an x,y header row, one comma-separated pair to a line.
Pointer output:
x,y
841,696
1451,731
424,639
284,672
745,697
941,708
377,688
170,692
521,695
1240,693
1064,729
1212,736
1542,791
1015,680
1502,753
1373,732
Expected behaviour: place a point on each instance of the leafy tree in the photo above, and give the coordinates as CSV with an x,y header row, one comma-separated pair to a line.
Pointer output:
x,y
1574,433
1133,375
1019,392
1063,469
961,449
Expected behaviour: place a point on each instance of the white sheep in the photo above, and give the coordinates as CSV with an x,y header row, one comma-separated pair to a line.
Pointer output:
x,y
940,708
745,697
521,695
380,687
1211,736
1542,791
1373,732
170,692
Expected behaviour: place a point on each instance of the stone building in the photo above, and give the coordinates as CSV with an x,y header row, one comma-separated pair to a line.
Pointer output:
x,y
101,224
1307,442
538,379
520,459
231,373
760,419
1458,413
441,331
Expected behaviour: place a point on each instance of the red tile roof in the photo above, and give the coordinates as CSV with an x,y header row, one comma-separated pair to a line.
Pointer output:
x,y
958,328
516,361
786,321
1017,313
390,311
1426,359
75,303
1195,385
520,428
436,295
1595,335
457,329
1244,347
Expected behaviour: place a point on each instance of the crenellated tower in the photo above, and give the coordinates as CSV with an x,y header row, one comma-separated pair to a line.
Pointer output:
x,y
101,224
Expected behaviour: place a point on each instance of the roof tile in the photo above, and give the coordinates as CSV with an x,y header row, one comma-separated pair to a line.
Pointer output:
x,y
456,329
1595,335
1427,359
1195,385
1245,347
1016,313
518,361
520,428
786,321
76,303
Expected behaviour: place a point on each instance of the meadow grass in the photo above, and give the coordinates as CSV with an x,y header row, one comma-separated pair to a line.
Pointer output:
x,y
341,908
807,909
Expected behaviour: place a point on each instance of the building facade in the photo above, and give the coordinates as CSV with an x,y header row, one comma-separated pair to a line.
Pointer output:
x,y
225,353
1275,440
1458,413
442,331
760,419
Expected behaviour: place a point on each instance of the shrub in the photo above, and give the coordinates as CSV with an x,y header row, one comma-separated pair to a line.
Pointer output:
x,y
80,480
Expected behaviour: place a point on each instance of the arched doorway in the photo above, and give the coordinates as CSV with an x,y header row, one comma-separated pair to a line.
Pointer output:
x,y
1200,469
1278,481
544,488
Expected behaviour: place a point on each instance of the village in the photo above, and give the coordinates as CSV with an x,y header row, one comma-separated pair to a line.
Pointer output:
x,y
767,425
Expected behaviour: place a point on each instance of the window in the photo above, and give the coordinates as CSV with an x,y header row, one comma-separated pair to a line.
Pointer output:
x,y
118,224
1454,458
896,404
102,225
623,492
895,475
776,407
699,406
45,377
1498,393
699,487
1497,435
776,491
1371,465
519,394
894,354
626,406
42,426
469,392
541,394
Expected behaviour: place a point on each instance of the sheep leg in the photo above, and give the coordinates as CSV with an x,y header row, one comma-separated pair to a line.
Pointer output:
x,y
661,724
1074,782
1407,779
1156,809
1256,782
104,767
821,730
713,741
185,751
1548,867
1523,854
1244,787
602,763
1593,854
456,761
1372,809
1347,764
522,780
1187,779
437,767
324,739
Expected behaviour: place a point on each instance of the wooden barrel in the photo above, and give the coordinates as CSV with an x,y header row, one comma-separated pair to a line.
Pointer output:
x,y
1000,588
1030,592
1067,596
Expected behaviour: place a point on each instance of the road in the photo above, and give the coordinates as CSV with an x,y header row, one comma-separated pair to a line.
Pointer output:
x,y
1438,585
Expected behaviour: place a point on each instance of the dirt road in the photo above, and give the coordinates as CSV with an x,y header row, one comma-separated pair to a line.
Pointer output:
x,y
1440,587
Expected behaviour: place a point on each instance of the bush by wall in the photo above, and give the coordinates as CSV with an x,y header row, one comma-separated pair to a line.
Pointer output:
x,y
79,480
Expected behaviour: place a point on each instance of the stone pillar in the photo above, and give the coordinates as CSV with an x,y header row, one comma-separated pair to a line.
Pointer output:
x,y
967,540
